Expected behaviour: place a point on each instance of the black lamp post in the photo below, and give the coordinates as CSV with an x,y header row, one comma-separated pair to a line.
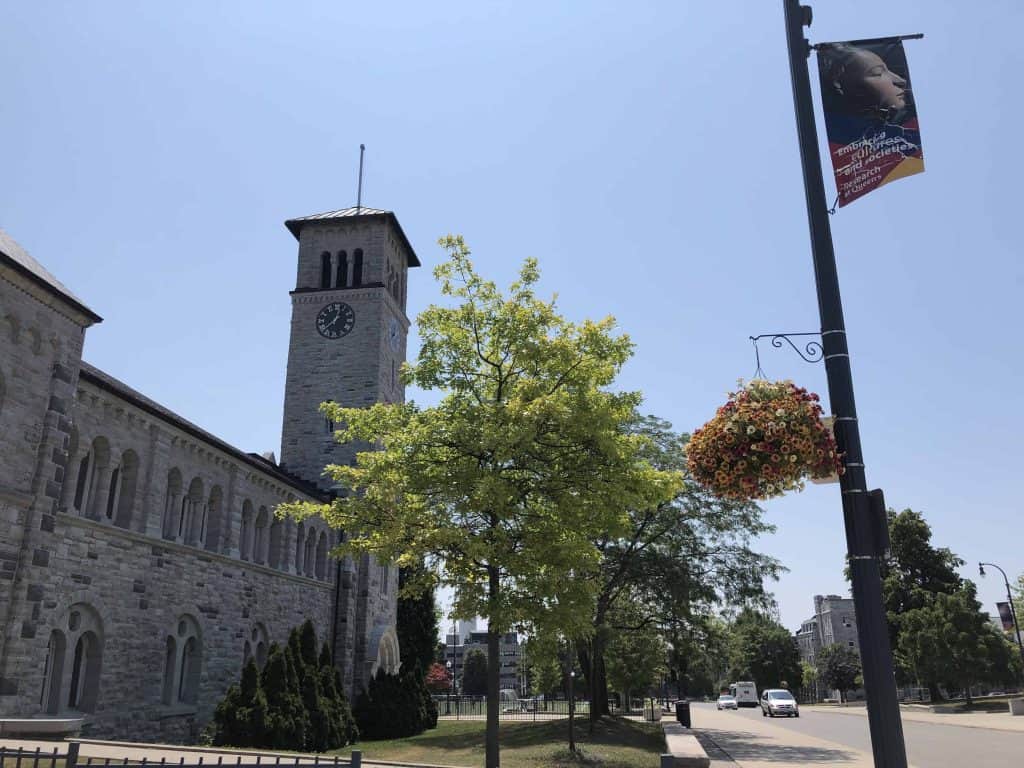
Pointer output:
x,y
863,511
1009,599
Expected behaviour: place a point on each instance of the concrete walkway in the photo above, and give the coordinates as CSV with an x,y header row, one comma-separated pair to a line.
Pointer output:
x,y
996,721
756,743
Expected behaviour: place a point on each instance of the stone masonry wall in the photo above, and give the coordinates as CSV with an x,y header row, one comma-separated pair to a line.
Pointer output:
x,y
40,349
141,589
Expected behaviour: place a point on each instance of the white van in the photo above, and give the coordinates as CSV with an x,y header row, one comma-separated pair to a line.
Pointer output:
x,y
745,694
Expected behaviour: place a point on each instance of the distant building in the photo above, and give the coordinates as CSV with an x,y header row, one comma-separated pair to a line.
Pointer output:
x,y
834,622
511,651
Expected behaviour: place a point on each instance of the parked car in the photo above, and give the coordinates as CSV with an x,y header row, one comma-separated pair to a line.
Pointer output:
x,y
727,702
777,701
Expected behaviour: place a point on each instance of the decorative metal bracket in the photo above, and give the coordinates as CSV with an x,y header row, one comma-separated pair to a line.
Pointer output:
x,y
812,350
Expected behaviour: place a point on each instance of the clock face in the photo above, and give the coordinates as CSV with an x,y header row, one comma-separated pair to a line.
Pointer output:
x,y
335,320
394,339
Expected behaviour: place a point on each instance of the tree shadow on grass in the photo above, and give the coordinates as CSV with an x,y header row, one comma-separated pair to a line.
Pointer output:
x,y
743,745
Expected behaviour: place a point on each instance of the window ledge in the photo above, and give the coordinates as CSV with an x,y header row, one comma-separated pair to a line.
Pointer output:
x,y
176,710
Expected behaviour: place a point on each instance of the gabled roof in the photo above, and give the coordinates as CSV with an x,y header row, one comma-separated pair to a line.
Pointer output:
x,y
363,212
17,257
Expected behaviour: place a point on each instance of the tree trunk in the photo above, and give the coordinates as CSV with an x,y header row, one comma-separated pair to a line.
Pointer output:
x,y
493,671
591,658
934,692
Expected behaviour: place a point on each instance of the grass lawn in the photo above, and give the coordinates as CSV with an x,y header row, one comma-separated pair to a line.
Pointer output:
x,y
616,743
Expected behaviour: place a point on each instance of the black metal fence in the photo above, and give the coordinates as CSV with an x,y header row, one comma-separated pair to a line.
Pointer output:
x,y
72,758
536,708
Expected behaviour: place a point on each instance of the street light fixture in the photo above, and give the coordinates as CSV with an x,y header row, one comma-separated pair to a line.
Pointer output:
x,y
1009,599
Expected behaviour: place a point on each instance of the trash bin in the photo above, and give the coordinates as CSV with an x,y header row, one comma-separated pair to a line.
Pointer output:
x,y
683,712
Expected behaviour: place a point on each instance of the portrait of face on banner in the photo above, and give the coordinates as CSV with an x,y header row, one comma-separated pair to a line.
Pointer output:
x,y
870,115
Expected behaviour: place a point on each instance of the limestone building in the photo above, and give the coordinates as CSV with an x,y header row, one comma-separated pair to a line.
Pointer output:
x,y
141,563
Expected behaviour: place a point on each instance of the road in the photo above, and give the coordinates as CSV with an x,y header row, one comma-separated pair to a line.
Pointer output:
x,y
755,740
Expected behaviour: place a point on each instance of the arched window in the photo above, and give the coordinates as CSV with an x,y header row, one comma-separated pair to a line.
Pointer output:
x,y
172,503
259,644
246,653
357,267
74,661
309,554
342,279
275,552
129,476
321,556
188,677
215,519
82,482
112,491
300,543
183,662
259,540
325,270
245,535
53,673
193,508
170,662
99,480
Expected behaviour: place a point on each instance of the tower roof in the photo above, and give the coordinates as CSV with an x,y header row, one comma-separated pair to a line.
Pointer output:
x,y
352,213
17,257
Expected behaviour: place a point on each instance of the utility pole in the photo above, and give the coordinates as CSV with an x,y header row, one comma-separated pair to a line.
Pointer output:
x,y
861,531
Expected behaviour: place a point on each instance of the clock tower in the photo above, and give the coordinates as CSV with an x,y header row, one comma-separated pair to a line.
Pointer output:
x,y
348,329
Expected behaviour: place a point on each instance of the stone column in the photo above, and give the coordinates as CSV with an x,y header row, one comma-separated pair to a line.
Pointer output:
x,y
154,493
232,524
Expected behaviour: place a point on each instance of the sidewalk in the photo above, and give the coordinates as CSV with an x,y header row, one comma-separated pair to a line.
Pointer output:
x,y
996,721
757,743
116,751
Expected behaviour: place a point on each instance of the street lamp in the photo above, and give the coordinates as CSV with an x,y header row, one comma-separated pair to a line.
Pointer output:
x,y
572,708
451,687
1009,599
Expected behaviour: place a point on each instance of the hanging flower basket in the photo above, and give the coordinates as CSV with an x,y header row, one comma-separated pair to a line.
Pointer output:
x,y
767,439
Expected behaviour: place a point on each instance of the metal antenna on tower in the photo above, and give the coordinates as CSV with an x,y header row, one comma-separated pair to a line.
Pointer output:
x,y
359,193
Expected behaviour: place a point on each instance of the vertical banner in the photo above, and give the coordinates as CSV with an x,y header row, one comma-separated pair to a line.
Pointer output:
x,y
1005,616
870,115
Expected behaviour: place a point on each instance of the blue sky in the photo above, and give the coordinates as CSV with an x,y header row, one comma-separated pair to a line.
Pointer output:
x,y
645,153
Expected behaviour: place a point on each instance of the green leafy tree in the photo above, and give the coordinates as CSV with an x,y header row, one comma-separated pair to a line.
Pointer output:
x,y
636,660
762,650
511,477
698,657
544,666
675,559
839,668
914,573
809,678
951,641
474,673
